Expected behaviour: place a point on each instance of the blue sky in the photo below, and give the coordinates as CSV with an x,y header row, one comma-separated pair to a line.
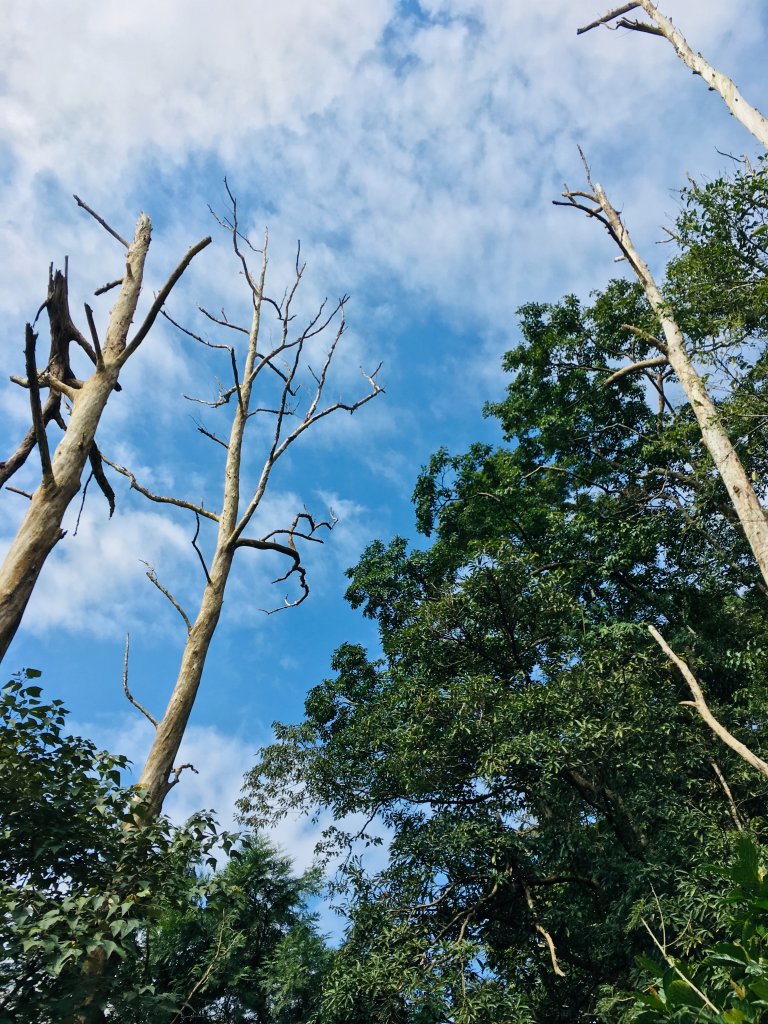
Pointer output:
x,y
414,148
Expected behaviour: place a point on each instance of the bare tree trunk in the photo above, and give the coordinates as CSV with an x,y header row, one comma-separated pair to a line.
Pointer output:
x,y
280,365
745,502
157,776
743,111
40,529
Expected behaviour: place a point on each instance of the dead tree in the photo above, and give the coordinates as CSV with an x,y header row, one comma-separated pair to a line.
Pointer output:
x,y
660,25
40,529
672,351
278,369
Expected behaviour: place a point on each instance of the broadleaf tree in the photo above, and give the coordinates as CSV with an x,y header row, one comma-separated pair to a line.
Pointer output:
x,y
533,752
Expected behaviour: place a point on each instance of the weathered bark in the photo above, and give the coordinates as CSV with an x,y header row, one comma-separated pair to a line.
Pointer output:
x,y
235,515
40,529
742,110
750,512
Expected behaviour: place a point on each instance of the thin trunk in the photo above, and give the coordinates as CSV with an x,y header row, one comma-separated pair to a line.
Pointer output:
x,y
156,777
714,435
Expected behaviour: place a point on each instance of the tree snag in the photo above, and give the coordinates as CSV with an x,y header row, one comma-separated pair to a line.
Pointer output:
x,y
660,25
40,529
280,365
594,202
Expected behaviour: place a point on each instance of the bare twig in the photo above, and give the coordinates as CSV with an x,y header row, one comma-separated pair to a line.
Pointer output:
x,y
126,691
152,577
108,286
94,335
176,773
197,549
207,433
101,221
701,706
161,499
37,411
615,13
18,490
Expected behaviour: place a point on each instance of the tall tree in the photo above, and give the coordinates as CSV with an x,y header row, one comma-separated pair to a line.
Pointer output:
x,y
524,740
282,362
61,474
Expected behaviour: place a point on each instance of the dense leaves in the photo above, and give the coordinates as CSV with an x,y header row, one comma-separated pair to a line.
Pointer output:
x,y
244,947
729,982
521,736
106,917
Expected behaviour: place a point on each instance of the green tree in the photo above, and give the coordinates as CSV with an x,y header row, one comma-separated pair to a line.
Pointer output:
x,y
79,879
521,735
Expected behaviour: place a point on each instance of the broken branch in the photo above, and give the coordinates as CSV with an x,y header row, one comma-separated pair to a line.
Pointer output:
x,y
701,706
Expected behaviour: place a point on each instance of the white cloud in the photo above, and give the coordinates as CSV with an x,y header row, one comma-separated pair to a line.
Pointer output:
x,y
94,584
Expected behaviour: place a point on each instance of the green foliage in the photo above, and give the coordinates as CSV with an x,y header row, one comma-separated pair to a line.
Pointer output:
x,y
521,736
244,946
105,917
729,982
80,877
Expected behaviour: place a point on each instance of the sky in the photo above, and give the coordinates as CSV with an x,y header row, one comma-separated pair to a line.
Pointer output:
x,y
414,148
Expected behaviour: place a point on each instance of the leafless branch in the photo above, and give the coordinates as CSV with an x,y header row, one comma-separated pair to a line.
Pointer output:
x,y
701,706
191,334
127,692
615,13
18,490
223,322
152,577
207,433
176,773
197,549
94,336
223,399
160,298
161,499
37,411
101,221
108,286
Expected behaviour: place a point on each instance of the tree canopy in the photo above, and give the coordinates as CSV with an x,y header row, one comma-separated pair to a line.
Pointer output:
x,y
522,737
